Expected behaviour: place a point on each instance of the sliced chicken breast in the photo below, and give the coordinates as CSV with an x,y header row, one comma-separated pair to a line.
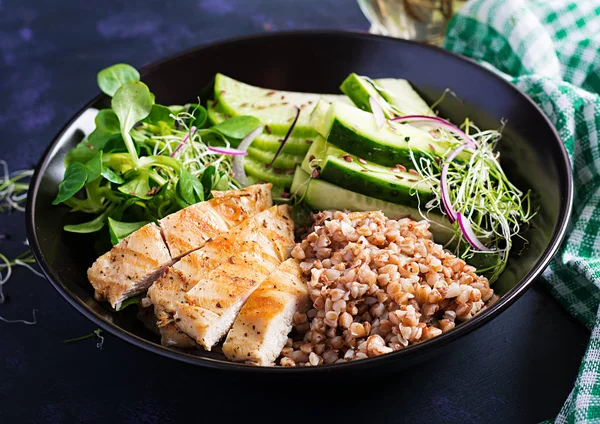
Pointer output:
x,y
130,267
189,228
261,329
164,294
172,336
259,246
170,289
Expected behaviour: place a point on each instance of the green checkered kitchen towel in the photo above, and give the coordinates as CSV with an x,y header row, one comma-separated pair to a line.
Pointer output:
x,y
550,49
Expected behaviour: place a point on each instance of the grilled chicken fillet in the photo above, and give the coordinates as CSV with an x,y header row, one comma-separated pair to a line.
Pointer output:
x,y
169,291
189,228
131,266
249,253
261,329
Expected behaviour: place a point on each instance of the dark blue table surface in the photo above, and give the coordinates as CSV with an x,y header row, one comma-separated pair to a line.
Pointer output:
x,y
518,368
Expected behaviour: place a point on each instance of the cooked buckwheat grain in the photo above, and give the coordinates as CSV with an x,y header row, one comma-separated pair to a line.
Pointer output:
x,y
377,285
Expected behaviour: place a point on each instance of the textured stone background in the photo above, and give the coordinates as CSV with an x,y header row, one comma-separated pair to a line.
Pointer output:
x,y
518,368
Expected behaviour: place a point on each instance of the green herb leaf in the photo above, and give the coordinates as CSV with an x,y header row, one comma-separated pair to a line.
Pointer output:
x,y
117,214
237,127
116,144
107,127
113,77
158,114
175,109
131,301
207,179
111,176
186,187
119,230
132,102
222,184
198,189
75,177
92,226
107,121
138,187
81,153
200,115
94,167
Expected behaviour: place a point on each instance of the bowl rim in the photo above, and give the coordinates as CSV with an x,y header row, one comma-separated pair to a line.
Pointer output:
x,y
501,305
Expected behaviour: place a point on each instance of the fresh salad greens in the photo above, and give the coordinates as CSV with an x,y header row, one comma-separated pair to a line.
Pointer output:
x,y
144,160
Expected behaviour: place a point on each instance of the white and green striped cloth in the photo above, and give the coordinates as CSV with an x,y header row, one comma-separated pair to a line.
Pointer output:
x,y
550,49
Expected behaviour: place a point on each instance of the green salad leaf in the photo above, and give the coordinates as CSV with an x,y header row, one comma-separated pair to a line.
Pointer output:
x,y
131,301
222,183
82,153
189,188
237,127
113,77
119,230
208,178
75,178
111,176
139,186
200,115
92,226
107,128
160,114
131,103
94,167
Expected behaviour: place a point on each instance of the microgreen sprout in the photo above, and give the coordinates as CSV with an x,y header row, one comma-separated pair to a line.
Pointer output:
x,y
96,333
480,190
13,188
187,144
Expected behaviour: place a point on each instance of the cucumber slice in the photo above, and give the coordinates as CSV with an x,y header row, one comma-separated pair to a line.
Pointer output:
x,y
396,92
283,161
360,90
267,142
356,132
274,176
273,107
399,93
346,171
321,195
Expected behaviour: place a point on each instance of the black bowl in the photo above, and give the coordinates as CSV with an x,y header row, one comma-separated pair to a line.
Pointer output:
x,y
532,153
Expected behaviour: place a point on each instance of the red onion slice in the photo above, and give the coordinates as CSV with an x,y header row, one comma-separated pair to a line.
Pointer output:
x,y
377,112
441,124
238,161
227,151
469,234
185,139
444,188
